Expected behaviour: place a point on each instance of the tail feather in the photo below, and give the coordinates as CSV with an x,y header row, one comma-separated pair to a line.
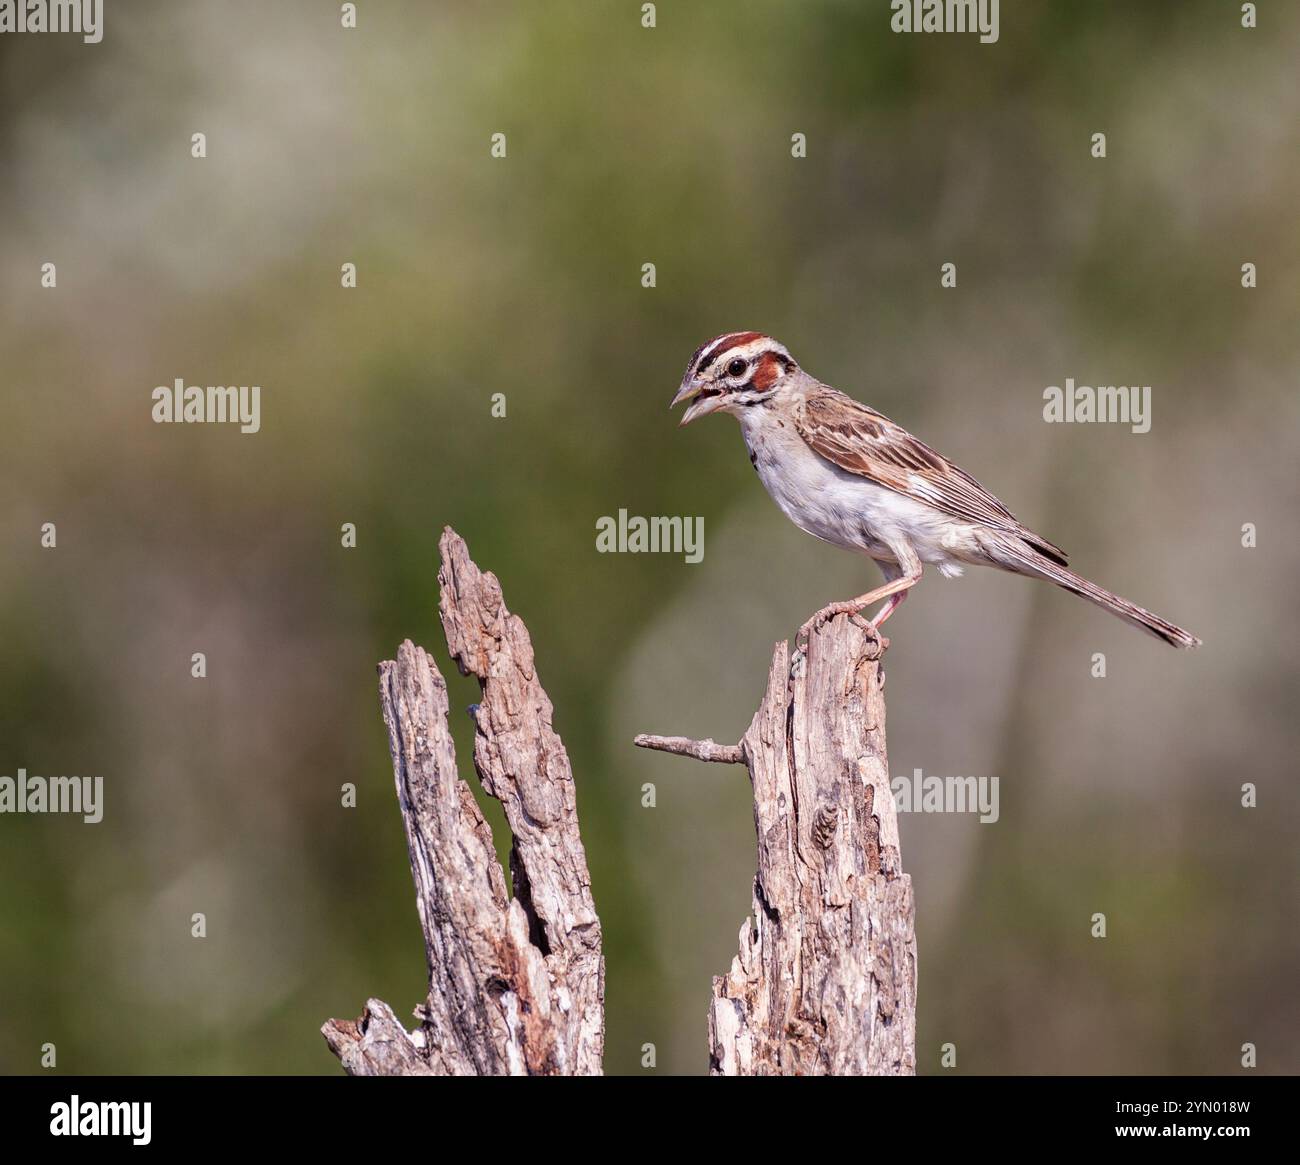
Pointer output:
x,y
1025,559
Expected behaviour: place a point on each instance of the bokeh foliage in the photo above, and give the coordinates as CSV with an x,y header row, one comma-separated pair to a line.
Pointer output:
x,y
522,276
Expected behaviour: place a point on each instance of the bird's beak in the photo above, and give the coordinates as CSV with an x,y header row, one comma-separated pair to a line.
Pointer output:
x,y
701,405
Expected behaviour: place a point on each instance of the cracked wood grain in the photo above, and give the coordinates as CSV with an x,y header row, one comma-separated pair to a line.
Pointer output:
x,y
824,982
516,982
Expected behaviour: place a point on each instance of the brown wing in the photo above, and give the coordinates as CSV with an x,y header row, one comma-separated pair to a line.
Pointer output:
x,y
860,440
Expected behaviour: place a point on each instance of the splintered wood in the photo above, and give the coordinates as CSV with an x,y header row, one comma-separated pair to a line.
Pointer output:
x,y
516,982
825,979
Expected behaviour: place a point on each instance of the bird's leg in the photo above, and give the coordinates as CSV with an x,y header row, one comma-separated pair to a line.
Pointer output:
x,y
900,578
891,605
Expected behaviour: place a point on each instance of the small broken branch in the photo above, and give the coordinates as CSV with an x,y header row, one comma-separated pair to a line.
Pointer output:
x,y
825,978
516,983
706,750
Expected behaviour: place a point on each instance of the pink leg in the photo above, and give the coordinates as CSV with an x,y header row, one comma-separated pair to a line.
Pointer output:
x,y
894,590
891,605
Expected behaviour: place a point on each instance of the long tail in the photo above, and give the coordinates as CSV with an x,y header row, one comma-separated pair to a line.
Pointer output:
x,y
1014,555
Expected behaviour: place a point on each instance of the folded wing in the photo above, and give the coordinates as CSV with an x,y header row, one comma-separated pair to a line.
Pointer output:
x,y
862,441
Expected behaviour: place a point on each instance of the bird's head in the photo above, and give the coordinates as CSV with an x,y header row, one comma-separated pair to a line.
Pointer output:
x,y
733,372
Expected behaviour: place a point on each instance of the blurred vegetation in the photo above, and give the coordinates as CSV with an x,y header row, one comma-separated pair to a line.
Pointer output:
x,y
522,276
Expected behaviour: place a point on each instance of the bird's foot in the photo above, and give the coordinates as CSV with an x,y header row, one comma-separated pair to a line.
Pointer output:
x,y
828,612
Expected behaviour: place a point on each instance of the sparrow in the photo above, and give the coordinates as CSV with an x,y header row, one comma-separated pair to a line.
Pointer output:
x,y
850,476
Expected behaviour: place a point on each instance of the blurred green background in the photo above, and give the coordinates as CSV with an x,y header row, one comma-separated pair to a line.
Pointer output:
x,y
523,276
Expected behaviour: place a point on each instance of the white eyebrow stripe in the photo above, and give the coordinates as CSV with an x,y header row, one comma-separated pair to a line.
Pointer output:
x,y
709,350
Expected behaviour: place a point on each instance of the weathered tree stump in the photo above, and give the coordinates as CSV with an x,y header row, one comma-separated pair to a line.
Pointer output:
x,y
825,979
516,983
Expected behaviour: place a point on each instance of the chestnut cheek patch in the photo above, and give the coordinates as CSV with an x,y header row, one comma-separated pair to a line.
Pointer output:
x,y
765,375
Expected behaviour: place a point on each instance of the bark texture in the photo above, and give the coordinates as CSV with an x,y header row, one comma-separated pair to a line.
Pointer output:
x,y
825,978
516,983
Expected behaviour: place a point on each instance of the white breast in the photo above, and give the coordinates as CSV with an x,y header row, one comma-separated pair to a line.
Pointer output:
x,y
842,508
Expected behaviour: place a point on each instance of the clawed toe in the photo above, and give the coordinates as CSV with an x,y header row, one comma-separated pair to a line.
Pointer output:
x,y
826,614
813,624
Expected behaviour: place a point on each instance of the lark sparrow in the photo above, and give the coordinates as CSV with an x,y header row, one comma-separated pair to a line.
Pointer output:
x,y
848,475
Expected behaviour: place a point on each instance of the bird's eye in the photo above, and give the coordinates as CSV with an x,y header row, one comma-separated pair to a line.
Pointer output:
x,y
736,368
